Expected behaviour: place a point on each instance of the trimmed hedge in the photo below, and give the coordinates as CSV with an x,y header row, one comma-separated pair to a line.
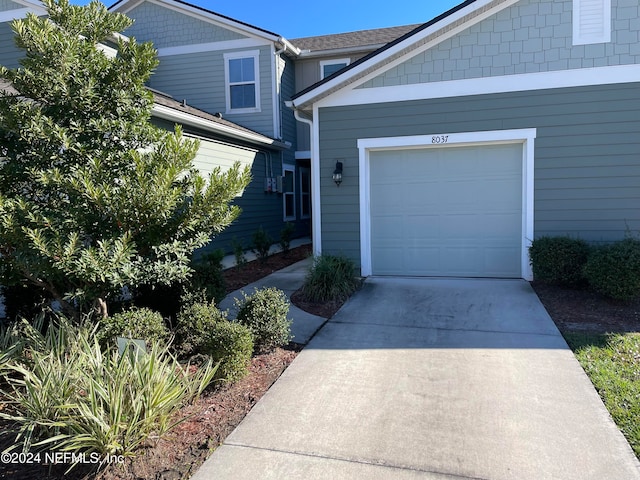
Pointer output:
x,y
231,344
265,314
194,323
614,270
559,260
141,323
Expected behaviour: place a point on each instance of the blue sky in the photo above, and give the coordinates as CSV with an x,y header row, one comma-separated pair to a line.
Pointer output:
x,y
303,18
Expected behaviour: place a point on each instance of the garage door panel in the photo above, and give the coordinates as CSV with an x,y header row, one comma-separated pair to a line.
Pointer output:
x,y
453,211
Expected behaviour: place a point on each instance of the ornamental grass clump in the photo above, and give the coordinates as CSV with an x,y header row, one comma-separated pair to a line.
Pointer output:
x,y
331,278
64,393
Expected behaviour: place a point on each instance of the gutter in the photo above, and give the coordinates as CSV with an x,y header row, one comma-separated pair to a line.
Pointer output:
x,y
168,113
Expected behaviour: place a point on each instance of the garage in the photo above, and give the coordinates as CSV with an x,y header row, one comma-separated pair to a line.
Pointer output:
x,y
447,211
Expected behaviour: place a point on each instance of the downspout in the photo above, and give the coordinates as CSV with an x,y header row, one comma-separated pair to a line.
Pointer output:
x,y
276,56
316,225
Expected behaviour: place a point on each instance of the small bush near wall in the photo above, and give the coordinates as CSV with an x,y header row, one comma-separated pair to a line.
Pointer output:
x,y
208,276
614,270
231,344
559,260
141,323
194,323
262,242
331,278
265,314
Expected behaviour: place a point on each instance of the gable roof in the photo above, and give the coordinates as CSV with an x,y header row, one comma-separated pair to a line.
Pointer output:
x,y
440,28
125,6
362,39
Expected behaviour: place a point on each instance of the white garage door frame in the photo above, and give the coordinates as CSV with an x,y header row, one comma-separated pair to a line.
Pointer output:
x,y
525,137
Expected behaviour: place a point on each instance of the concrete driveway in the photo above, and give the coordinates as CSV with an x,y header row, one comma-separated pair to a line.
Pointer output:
x,y
431,379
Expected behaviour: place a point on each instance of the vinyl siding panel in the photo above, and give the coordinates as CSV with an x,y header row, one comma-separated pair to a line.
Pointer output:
x,y
258,208
198,78
587,155
9,53
7,5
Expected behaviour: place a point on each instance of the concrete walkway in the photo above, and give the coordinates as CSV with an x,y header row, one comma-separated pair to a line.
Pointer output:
x,y
289,279
430,379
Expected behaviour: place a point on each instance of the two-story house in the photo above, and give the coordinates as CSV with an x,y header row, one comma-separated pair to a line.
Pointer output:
x,y
459,140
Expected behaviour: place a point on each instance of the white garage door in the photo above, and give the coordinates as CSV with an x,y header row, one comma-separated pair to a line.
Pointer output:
x,y
454,211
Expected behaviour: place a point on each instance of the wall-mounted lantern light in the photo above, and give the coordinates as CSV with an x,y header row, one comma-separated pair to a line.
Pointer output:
x,y
337,174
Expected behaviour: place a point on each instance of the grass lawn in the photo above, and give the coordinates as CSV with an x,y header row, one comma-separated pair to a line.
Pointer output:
x,y
612,362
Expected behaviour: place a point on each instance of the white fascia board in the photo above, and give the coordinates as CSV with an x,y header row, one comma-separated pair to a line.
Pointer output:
x,y
579,77
168,113
343,81
213,46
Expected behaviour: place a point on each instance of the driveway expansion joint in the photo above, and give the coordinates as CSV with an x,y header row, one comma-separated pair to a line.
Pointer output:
x,y
444,475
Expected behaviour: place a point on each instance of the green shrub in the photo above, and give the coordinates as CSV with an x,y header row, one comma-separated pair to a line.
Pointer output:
x,y
238,252
194,324
208,276
285,237
331,278
262,242
141,323
614,270
559,260
231,344
265,314
67,394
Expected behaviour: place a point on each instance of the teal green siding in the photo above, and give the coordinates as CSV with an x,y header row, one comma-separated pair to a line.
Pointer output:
x,y
198,78
168,28
530,36
6,5
9,53
587,155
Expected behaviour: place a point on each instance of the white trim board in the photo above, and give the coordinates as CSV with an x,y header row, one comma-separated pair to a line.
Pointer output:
x,y
212,46
524,136
579,77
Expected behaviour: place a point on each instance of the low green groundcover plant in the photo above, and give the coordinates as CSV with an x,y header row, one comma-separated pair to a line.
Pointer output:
x,y
64,393
611,362
265,313
331,278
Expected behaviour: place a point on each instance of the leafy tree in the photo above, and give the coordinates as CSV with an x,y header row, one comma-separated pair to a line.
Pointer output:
x,y
93,197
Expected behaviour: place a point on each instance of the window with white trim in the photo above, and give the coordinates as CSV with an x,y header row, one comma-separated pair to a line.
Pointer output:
x,y
289,192
591,21
329,67
242,81
305,192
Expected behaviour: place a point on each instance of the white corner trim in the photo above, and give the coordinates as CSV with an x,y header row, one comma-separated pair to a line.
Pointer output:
x,y
525,136
316,204
578,77
212,46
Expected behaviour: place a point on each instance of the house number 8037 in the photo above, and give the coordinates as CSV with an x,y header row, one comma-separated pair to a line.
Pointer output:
x,y
440,139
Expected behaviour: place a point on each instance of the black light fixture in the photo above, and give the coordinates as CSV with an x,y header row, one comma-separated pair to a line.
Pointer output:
x,y
337,174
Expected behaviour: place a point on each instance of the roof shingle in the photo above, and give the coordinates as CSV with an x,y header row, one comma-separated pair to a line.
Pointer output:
x,y
361,38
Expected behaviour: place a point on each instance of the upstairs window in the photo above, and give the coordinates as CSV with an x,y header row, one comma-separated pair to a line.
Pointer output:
x,y
288,192
242,82
329,67
591,21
